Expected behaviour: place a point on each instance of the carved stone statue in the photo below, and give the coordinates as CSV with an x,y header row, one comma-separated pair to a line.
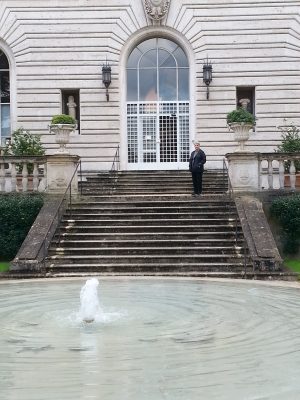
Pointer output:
x,y
244,103
71,107
156,9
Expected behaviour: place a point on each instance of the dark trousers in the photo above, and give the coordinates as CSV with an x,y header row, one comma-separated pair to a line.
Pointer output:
x,y
197,182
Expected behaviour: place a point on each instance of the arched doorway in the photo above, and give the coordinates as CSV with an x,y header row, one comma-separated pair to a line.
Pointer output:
x,y
158,107
4,99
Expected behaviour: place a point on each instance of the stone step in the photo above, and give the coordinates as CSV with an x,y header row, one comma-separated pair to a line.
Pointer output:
x,y
217,267
146,228
148,222
92,220
122,208
181,198
146,258
67,242
154,236
142,192
117,214
145,251
154,173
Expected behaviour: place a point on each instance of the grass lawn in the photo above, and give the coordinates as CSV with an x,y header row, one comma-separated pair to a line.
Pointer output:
x,y
294,265
4,266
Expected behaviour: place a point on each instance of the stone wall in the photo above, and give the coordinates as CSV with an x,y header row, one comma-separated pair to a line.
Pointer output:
x,y
62,44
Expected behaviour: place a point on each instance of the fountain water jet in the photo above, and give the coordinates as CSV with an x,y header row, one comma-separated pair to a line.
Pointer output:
x,y
89,301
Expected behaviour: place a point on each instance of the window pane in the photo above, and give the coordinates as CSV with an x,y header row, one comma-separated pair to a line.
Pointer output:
x,y
134,58
148,59
5,120
148,86
147,45
183,84
167,44
165,59
3,61
167,84
4,86
132,94
181,58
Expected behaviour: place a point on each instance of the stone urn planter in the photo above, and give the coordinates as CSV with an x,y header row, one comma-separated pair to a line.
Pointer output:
x,y
241,133
240,121
62,126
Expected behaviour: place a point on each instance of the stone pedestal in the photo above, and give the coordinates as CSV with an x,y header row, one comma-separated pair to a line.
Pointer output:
x,y
60,168
243,170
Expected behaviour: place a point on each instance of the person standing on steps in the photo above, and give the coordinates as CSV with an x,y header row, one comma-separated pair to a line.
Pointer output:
x,y
196,162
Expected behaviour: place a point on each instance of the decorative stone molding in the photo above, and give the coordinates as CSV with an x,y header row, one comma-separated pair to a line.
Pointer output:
x,y
156,9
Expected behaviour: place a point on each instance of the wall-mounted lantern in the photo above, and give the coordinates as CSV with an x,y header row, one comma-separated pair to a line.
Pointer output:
x,y
207,76
106,78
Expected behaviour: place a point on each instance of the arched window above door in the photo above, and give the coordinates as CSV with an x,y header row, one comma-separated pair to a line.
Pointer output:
x,y
4,99
157,70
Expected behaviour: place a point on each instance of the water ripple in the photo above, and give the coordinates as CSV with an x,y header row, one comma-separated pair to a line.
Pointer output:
x,y
164,339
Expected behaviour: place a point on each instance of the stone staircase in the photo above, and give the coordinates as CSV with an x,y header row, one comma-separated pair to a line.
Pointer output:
x,y
148,223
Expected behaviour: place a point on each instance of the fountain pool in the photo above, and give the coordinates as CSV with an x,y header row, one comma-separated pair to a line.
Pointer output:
x,y
154,339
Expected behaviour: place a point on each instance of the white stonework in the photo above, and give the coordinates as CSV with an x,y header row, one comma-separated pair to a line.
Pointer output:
x,y
60,169
243,171
156,9
62,44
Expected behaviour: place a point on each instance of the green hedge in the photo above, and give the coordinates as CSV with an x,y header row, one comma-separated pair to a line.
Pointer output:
x,y
286,211
17,214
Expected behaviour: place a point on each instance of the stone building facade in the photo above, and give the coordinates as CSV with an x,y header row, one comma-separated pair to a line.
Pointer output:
x,y
52,54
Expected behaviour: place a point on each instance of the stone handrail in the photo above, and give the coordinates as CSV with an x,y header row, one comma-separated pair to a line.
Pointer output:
x,y
14,176
279,168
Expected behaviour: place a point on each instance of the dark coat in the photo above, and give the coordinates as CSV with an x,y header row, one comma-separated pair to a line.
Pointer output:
x,y
196,165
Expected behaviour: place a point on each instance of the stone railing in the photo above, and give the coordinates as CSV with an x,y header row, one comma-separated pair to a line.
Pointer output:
x,y
38,173
252,172
278,171
22,173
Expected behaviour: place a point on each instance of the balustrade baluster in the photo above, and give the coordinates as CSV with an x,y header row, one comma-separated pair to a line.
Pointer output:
x,y
259,174
281,174
270,173
13,178
293,175
2,177
35,179
25,178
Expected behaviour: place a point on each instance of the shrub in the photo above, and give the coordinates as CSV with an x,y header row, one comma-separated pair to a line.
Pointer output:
x,y
286,211
63,119
240,116
17,214
24,143
290,143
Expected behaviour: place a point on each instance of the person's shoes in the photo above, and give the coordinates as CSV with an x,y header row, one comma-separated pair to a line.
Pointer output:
x,y
198,195
194,194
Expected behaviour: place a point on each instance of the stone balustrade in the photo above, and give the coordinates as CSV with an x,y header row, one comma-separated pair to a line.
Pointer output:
x,y
250,172
38,173
278,170
23,173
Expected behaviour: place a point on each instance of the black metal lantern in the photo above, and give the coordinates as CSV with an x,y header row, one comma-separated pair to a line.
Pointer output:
x,y
207,76
106,78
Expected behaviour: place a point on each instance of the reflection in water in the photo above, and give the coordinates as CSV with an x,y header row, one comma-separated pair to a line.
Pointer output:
x,y
154,339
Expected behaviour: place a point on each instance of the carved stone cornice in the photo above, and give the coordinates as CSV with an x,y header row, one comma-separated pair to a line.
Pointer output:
x,y
156,9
